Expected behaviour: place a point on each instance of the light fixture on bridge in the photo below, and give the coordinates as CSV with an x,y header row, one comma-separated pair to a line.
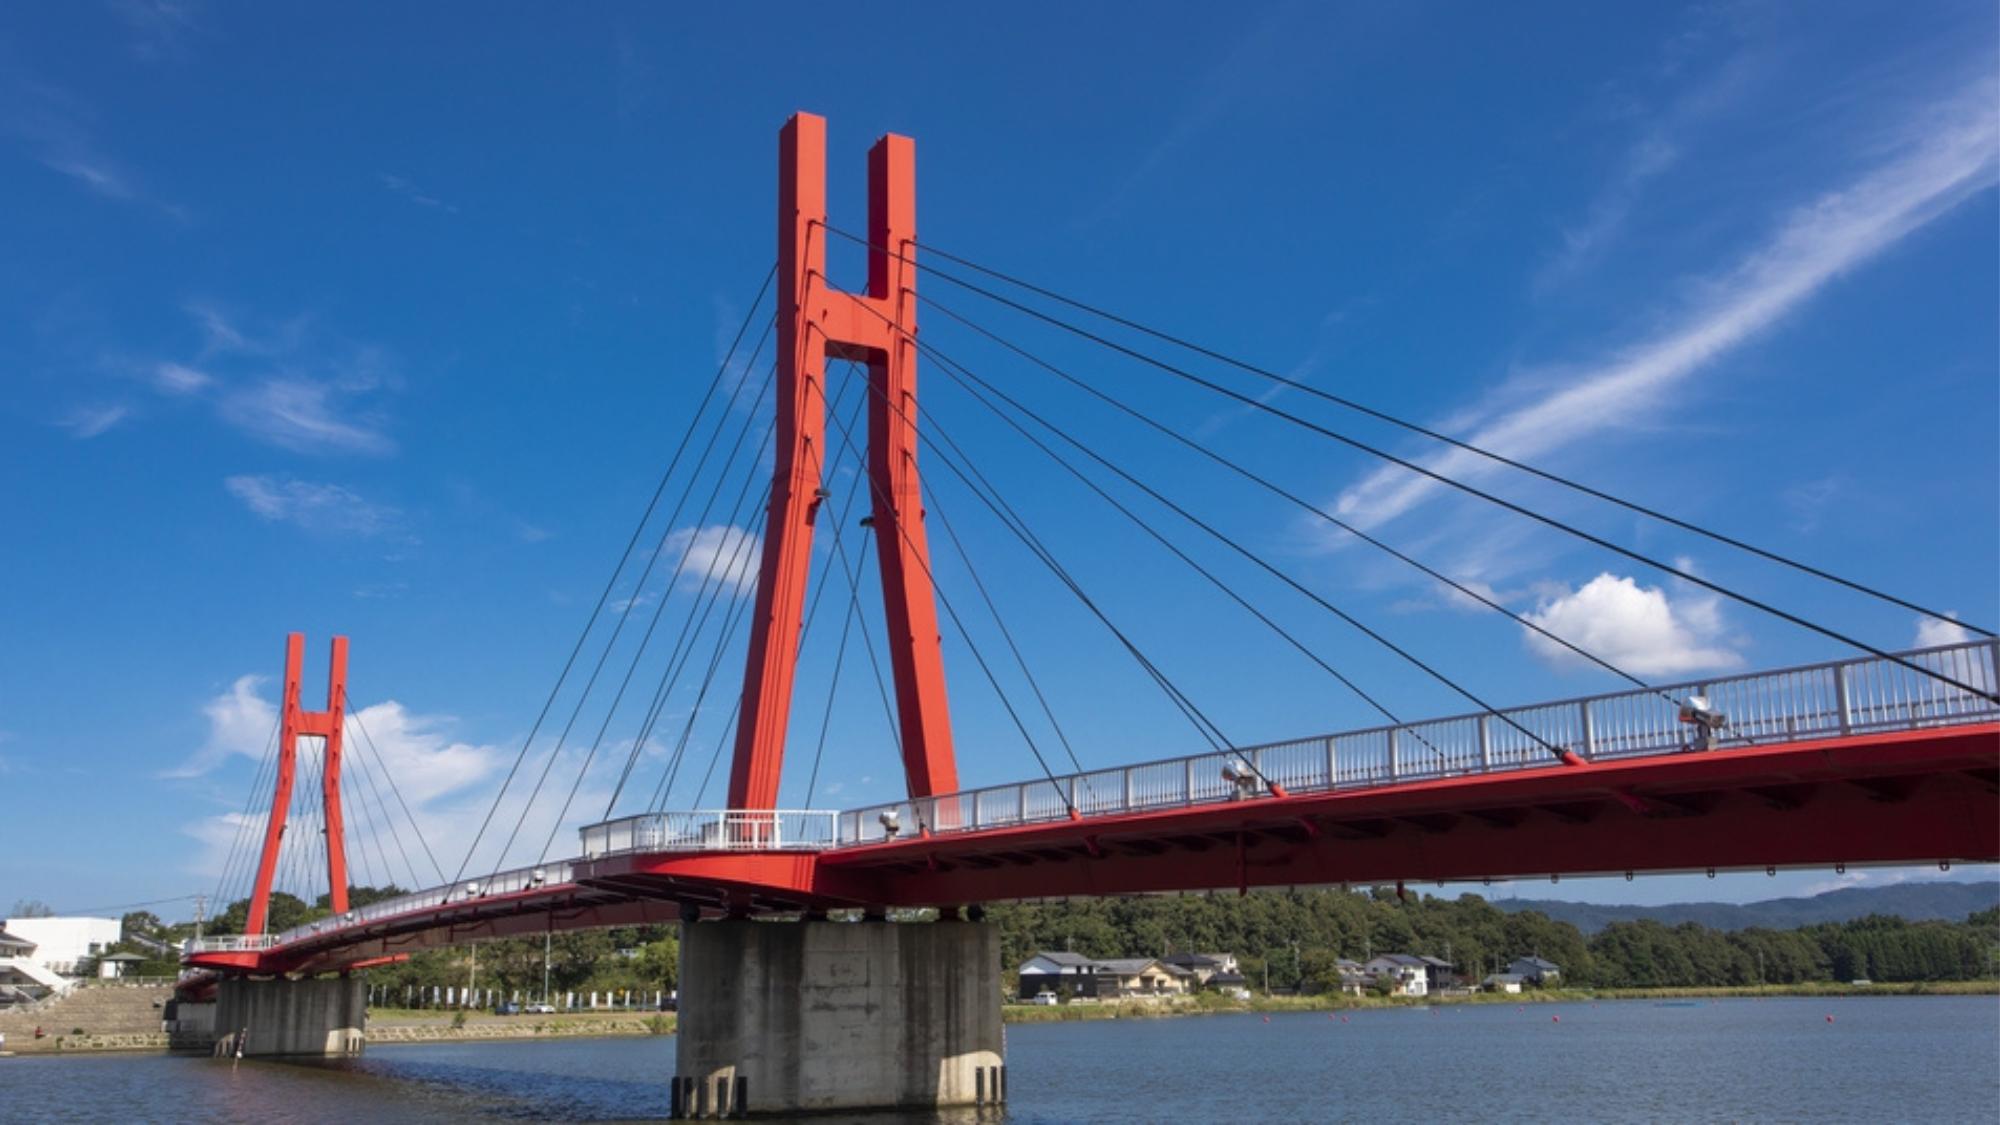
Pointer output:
x,y
472,890
537,876
1239,774
891,823
1697,712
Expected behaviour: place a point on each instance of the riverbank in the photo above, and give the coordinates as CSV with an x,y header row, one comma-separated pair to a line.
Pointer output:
x,y
1209,1004
396,1025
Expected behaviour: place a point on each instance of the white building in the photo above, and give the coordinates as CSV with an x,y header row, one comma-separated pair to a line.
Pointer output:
x,y
63,944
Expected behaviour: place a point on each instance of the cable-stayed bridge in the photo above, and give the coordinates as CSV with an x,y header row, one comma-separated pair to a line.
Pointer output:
x,y
1880,756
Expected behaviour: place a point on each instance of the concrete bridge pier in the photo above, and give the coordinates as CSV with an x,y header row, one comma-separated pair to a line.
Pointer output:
x,y
318,1016
798,1017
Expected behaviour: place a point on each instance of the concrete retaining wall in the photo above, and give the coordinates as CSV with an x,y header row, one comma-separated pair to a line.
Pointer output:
x,y
323,1016
804,1016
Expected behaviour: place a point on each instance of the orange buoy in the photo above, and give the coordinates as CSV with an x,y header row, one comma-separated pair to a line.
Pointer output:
x,y
1555,1019
1267,1019
1829,1018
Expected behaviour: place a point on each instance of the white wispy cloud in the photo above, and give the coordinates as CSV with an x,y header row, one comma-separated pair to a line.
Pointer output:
x,y
324,509
301,414
1634,627
86,422
179,379
401,186
1944,158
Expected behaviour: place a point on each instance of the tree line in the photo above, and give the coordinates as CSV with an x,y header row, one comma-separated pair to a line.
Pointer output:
x,y
1295,939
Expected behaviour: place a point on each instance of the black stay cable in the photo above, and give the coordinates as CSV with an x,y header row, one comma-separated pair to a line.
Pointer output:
x,y
960,375
1210,575
833,680
1312,509
741,602
1010,518
971,645
1412,427
388,775
610,583
381,817
1471,490
965,559
257,783
683,650
710,577
638,589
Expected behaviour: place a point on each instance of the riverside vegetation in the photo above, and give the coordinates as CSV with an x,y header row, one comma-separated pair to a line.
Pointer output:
x,y
1291,938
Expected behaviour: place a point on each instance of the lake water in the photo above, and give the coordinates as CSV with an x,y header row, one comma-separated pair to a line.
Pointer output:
x,y
1928,1059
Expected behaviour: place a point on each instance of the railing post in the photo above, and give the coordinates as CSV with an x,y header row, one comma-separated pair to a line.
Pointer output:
x,y
1021,803
1840,698
1128,788
1589,730
1072,794
1485,743
1332,764
1392,753
1257,763
1188,797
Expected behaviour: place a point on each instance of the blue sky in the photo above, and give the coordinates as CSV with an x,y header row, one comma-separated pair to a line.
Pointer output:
x,y
386,324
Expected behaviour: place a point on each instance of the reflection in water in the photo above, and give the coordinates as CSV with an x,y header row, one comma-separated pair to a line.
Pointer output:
x,y
1890,1058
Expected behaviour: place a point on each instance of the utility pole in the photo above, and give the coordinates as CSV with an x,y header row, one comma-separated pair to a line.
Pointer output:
x,y
472,978
200,904
545,964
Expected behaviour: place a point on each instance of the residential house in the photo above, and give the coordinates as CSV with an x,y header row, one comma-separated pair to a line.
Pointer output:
x,y
1502,982
1211,970
1074,975
1141,976
1408,975
1061,974
1535,971
1353,978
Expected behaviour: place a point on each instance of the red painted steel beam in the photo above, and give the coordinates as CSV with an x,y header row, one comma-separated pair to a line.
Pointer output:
x,y
295,721
1533,822
816,320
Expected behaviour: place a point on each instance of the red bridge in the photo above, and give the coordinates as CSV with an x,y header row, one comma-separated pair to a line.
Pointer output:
x,y
1886,757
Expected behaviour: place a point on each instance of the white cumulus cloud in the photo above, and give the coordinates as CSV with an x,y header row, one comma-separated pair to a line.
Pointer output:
x,y
726,553
1932,632
1634,627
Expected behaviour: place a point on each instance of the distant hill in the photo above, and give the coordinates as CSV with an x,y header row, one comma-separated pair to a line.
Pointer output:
x,y
1914,901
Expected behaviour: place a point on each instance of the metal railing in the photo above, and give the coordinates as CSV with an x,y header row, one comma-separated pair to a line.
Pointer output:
x,y
231,943
728,830
1832,700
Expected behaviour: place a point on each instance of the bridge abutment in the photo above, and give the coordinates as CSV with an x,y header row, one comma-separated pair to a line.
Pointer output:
x,y
320,1016
791,1017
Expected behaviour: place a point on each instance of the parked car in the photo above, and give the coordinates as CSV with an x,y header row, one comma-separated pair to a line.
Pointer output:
x,y
1048,998
540,1009
671,1002
506,1008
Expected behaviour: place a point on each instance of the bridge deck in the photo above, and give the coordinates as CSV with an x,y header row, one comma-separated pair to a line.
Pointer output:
x,y
1862,761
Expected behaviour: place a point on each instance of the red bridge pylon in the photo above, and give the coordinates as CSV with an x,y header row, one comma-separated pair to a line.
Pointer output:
x,y
295,721
816,320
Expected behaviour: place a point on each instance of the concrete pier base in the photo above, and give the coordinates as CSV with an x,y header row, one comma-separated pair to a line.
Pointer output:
x,y
792,1017
325,1017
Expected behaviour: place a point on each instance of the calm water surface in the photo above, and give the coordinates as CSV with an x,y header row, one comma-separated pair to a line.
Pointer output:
x,y
1927,1059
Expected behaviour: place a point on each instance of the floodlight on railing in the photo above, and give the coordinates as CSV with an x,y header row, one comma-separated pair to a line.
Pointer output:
x,y
891,822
